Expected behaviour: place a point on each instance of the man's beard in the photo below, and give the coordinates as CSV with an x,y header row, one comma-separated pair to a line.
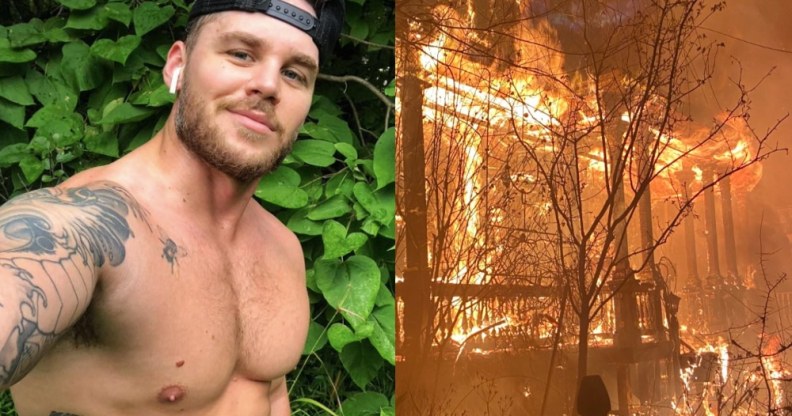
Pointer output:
x,y
195,129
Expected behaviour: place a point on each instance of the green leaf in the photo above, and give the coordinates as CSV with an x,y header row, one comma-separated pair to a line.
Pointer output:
x,y
119,12
350,286
93,19
323,107
315,131
126,113
362,362
281,187
12,55
333,207
116,51
154,97
14,153
341,335
104,143
347,150
314,152
80,68
339,129
336,241
12,113
15,90
358,28
387,411
50,92
53,30
148,16
390,90
317,338
370,226
48,116
26,34
385,158
32,167
383,338
364,404
299,224
381,206
341,183
78,4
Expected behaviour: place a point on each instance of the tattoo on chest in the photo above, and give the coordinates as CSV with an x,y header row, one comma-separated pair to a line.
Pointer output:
x,y
171,252
53,240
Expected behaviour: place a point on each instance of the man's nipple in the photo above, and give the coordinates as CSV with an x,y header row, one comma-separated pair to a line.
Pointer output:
x,y
171,394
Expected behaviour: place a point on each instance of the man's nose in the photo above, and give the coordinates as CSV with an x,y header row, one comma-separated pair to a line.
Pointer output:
x,y
265,81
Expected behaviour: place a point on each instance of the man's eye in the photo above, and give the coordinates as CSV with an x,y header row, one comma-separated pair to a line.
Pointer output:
x,y
288,73
241,55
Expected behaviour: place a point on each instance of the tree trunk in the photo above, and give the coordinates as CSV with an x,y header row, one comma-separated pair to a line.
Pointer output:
x,y
582,368
415,292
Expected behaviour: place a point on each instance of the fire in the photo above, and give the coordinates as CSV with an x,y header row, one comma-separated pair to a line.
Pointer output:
x,y
773,368
478,99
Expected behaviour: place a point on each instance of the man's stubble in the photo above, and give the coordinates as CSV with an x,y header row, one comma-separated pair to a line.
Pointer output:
x,y
196,129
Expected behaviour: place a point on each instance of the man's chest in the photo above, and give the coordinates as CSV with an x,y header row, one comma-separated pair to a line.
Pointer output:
x,y
192,311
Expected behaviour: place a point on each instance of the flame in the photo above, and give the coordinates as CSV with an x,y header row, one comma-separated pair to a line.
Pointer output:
x,y
773,368
479,98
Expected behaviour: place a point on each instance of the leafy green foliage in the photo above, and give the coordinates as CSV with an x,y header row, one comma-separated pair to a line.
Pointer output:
x,y
83,87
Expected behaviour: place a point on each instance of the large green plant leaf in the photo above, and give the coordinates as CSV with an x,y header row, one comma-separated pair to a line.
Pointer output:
x,y
337,243
333,207
314,152
383,318
385,158
149,16
12,113
78,4
281,187
26,34
126,113
341,335
317,338
14,55
362,362
350,286
117,51
119,12
93,19
15,90
81,69
364,404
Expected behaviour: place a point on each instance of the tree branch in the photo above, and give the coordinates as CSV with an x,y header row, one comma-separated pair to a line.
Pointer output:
x,y
346,78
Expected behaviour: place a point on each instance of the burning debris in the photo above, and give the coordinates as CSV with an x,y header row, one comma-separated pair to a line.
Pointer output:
x,y
554,183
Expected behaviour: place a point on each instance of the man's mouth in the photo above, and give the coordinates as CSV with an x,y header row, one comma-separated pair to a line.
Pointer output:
x,y
256,121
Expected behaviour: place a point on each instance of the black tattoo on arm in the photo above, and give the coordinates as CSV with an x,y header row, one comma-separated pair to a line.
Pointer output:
x,y
52,244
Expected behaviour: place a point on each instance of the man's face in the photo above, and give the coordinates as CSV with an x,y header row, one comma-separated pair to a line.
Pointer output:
x,y
247,88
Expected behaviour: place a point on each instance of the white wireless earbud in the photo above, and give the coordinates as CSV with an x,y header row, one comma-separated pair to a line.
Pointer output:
x,y
175,79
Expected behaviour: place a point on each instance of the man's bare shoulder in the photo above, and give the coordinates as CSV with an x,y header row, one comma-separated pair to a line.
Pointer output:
x,y
93,217
271,230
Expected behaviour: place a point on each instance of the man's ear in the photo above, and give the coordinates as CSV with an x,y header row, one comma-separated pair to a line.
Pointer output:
x,y
174,66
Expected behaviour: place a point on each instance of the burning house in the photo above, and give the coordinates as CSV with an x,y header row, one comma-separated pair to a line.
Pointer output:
x,y
566,214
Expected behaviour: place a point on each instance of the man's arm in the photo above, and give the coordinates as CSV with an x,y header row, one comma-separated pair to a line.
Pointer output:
x,y
279,398
53,244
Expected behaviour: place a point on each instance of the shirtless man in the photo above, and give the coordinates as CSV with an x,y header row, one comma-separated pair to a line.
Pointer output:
x,y
155,285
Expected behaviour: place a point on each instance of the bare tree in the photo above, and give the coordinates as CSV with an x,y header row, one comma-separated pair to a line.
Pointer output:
x,y
550,132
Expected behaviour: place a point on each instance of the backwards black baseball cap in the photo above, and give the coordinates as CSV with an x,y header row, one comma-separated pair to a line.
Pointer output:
x,y
324,29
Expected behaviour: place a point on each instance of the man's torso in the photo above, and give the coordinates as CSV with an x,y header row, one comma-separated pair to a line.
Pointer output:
x,y
184,324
